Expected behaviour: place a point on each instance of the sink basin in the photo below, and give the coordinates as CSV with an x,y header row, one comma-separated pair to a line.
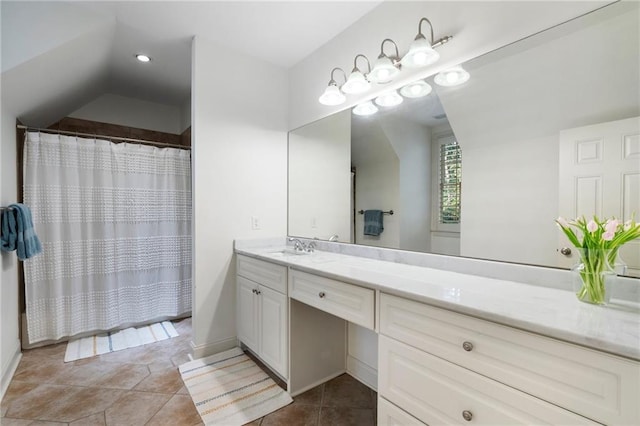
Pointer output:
x,y
289,252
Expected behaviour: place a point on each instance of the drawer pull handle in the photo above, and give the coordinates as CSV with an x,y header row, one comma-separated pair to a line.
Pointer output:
x,y
467,415
254,291
467,346
258,292
321,294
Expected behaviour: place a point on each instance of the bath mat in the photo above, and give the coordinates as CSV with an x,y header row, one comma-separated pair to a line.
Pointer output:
x,y
118,340
230,389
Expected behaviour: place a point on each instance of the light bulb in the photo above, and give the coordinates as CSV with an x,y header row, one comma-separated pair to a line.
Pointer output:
x,y
384,70
143,58
389,99
452,77
366,108
417,89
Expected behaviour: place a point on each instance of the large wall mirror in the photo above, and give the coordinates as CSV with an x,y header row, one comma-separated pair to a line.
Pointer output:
x,y
545,127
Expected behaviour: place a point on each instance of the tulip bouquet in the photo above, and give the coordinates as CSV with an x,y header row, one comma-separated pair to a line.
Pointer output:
x,y
601,240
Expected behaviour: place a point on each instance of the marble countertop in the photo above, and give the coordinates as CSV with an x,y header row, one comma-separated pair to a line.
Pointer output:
x,y
546,311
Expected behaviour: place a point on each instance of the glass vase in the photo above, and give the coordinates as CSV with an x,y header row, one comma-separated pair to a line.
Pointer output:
x,y
594,275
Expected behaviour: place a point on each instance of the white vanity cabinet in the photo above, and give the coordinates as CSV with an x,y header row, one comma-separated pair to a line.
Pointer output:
x,y
262,314
443,367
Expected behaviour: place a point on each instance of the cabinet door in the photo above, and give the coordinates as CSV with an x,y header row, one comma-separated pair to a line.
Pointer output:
x,y
273,329
247,315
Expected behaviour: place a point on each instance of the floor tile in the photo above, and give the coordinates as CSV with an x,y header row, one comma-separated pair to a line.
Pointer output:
x,y
122,376
345,416
135,408
36,369
345,391
293,415
310,397
166,381
93,420
178,411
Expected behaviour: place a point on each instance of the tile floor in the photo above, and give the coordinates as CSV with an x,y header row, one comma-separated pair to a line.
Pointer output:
x,y
142,386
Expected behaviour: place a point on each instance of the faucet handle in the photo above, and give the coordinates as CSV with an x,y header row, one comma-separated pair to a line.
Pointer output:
x,y
310,247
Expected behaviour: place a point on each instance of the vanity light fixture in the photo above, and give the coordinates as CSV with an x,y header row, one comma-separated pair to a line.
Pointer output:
x,y
386,67
143,58
365,108
389,99
357,81
417,89
332,94
421,52
451,77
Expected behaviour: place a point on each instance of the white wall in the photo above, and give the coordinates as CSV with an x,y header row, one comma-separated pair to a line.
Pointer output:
x,y
9,316
125,111
510,154
319,179
412,143
239,131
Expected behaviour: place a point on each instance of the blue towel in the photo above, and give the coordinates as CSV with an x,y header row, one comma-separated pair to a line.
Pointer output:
x,y
373,222
18,232
8,233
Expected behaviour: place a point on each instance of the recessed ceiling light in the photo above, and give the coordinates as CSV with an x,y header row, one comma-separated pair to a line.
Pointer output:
x,y
143,58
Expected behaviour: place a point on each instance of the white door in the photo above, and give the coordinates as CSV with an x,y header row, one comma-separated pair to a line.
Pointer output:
x,y
247,316
600,174
273,329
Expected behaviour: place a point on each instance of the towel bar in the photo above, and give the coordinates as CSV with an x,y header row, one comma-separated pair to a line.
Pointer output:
x,y
390,212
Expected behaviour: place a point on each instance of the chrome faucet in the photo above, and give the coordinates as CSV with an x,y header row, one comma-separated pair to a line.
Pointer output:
x,y
333,237
302,247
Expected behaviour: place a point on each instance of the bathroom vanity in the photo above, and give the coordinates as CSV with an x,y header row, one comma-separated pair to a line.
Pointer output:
x,y
452,347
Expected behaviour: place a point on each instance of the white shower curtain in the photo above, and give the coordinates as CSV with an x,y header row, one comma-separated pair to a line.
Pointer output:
x,y
115,225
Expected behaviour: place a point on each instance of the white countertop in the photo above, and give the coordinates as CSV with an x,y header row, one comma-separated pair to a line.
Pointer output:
x,y
546,311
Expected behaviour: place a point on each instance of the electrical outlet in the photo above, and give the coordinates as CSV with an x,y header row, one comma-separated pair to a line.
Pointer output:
x,y
255,223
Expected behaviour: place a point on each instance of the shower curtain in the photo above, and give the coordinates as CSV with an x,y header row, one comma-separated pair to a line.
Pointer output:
x,y
115,225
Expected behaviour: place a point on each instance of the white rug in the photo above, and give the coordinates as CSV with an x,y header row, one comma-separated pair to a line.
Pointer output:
x,y
110,342
230,389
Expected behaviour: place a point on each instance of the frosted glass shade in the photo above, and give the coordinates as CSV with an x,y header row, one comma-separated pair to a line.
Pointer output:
x,y
383,71
389,99
417,89
366,108
420,54
332,96
451,77
356,83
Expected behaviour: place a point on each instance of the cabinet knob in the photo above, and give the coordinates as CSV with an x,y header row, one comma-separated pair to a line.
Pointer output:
x,y
321,294
467,415
467,346
565,251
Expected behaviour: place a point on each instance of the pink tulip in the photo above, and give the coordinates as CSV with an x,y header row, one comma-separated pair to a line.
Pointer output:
x,y
608,236
592,226
562,222
611,226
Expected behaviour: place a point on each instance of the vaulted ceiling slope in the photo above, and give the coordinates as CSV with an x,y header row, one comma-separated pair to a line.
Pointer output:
x,y
58,56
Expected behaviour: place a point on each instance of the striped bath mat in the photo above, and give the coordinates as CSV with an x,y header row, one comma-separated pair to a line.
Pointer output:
x,y
230,389
118,340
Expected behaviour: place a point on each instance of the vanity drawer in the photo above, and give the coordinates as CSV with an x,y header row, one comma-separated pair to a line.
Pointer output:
x,y
438,392
390,415
594,384
265,273
347,301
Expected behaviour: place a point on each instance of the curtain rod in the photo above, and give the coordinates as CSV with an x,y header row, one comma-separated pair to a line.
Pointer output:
x,y
110,138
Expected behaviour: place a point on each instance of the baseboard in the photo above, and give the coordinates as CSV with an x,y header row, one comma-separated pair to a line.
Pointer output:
x,y
362,372
317,383
9,369
201,351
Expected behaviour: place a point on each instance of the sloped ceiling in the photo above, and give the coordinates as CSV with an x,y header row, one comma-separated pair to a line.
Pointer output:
x,y
57,56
